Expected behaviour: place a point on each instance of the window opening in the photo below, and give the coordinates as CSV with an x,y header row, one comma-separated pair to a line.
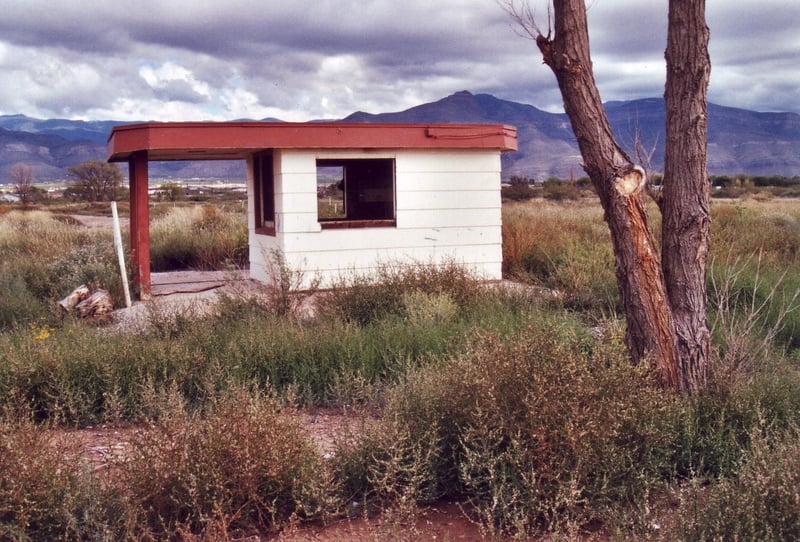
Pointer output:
x,y
264,188
355,192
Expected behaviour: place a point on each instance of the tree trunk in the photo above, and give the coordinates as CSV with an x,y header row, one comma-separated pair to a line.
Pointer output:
x,y
685,206
619,184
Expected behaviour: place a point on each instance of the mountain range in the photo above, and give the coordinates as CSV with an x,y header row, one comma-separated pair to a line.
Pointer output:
x,y
739,140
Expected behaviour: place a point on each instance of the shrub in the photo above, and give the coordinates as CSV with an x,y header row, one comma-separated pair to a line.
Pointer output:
x,y
45,493
719,425
364,299
758,503
84,376
422,308
93,264
238,465
539,431
557,190
390,466
243,465
18,304
521,231
519,190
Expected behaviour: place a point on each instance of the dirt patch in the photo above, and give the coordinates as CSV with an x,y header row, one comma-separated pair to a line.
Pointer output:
x,y
99,222
100,446
444,522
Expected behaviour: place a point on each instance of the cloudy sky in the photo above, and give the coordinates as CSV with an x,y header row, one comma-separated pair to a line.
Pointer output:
x,y
309,59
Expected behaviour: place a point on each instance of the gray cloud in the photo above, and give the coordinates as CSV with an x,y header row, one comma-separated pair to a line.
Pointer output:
x,y
190,60
179,91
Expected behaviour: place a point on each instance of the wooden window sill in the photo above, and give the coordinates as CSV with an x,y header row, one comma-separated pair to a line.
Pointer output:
x,y
269,230
353,224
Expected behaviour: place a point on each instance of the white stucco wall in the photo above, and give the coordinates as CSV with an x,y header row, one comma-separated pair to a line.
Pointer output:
x,y
447,209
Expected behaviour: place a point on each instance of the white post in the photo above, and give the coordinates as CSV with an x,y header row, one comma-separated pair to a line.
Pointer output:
x,y
120,254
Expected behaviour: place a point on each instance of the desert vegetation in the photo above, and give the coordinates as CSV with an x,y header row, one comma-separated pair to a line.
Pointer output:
x,y
516,401
739,186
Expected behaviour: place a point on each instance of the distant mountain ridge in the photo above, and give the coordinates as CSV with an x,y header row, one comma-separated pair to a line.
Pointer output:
x,y
73,130
49,154
740,141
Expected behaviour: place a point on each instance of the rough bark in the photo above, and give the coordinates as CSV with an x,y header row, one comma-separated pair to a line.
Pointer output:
x,y
619,184
685,208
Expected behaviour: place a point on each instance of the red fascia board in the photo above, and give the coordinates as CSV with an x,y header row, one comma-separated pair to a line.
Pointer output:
x,y
203,140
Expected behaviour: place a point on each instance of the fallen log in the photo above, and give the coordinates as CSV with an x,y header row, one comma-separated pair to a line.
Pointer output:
x,y
98,304
71,301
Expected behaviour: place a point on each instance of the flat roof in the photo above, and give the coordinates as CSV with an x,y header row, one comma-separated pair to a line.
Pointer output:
x,y
237,140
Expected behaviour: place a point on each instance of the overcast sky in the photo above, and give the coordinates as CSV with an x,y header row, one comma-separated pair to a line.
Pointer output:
x,y
309,59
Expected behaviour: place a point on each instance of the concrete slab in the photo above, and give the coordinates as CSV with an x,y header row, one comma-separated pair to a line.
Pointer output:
x,y
187,282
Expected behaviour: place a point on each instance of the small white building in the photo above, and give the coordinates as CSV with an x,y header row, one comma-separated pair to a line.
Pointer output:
x,y
337,198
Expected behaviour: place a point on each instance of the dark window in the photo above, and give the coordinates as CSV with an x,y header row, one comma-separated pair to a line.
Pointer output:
x,y
355,192
264,192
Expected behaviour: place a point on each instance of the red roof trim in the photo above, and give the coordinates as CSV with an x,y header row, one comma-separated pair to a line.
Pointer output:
x,y
217,140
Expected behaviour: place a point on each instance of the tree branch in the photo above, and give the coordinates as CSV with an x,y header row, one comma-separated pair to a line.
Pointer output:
x,y
525,19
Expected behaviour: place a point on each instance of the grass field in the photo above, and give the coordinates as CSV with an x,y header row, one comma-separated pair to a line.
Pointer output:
x,y
518,403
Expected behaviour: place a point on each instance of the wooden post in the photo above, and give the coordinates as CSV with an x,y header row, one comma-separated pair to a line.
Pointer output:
x,y
140,222
120,254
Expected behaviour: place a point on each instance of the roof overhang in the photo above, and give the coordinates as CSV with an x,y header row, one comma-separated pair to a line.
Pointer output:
x,y
237,140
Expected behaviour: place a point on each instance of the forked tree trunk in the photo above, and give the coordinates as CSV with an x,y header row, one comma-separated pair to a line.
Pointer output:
x,y
685,205
619,183
665,306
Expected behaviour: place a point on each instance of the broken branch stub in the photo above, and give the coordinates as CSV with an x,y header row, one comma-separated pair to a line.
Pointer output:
x,y
632,183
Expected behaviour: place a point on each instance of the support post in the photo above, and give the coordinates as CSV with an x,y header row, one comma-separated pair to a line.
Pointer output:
x,y
140,222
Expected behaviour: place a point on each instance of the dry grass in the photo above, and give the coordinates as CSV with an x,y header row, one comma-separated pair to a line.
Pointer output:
x,y
565,247
198,237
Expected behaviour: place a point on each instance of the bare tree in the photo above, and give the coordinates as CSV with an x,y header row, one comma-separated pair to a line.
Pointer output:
x,y
22,179
665,303
95,180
